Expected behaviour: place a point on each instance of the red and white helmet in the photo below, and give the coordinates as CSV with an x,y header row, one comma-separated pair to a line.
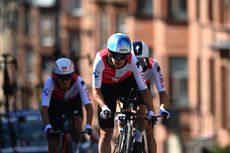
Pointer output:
x,y
63,66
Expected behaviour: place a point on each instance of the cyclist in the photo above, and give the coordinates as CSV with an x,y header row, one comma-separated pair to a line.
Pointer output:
x,y
65,91
115,72
152,72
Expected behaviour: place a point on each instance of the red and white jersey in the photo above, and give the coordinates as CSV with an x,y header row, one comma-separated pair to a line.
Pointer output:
x,y
153,72
52,90
104,73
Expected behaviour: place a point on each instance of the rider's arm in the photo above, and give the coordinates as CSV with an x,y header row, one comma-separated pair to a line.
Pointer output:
x,y
83,91
98,68
89,111
98,96
159,82
164,100
141,83
45,115
147,97
46,96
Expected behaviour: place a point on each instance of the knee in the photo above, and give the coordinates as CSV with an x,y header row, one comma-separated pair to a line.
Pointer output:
x,y
53,143
142,110
106,136
76,137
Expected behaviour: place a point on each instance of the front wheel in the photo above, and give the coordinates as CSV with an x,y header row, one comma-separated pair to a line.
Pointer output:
x,y
128,138
125,140
119,144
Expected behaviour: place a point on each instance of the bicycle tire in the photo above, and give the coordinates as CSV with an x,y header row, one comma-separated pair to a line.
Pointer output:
x,y
119,144
128,138
125,140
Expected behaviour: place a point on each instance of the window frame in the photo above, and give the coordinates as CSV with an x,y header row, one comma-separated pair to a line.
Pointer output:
x,y
179,76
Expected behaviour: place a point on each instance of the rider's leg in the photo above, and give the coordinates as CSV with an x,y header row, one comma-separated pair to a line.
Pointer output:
x,y
141,123
53,142
104,144
140,127
76,137
152,146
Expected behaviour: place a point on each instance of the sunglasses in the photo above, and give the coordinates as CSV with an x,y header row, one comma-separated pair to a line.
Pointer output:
x,y
64,77
119,56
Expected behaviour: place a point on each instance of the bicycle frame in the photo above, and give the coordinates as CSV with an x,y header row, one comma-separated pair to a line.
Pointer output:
x,y
126,137
65,138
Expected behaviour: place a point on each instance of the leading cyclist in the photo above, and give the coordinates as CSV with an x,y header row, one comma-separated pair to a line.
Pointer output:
x,y
65,91
115,72
152,72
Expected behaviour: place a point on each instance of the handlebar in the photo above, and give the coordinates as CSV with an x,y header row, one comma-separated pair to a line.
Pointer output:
x,y
136,115
54,132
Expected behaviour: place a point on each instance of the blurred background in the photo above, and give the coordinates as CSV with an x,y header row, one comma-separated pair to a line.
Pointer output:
x,y
189,38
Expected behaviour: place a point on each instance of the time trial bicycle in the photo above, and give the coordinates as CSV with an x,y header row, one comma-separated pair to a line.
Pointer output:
x,y
127,117
65,143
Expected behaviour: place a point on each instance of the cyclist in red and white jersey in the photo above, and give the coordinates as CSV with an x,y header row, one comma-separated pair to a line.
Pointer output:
x,y
65,91
152,72
115,72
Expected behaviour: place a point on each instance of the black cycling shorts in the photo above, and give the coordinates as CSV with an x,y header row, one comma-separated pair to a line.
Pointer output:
x,y
58,108
111,92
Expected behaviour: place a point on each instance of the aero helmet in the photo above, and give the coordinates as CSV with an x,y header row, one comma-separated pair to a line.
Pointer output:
x,y
119,43
63,67
140,49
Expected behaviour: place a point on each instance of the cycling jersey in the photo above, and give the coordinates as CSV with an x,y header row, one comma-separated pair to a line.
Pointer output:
x,y
115,82
104,73
61,102
52,91
153,72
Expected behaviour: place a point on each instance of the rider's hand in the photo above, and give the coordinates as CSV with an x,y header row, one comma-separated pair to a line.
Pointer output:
x,y
152,118
120,118
105,113
164,112
48,128
88,129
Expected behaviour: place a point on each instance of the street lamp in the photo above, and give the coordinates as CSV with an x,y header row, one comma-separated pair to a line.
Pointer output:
x,y
8,89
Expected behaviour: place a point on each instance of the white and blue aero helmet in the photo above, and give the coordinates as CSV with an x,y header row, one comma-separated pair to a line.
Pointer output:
x,y
119,43
140,49
63,66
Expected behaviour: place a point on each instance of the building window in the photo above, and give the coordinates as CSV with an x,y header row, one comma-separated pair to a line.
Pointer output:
x,y
28,21
74,43
224,11
210,10
212,85
197,10
225,95
198,84
179,81
47,64
103,28
47,30
75,7
29,66
145,8
177,9
121,23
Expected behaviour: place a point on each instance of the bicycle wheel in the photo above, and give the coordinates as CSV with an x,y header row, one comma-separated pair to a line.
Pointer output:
x,y
128,141
119,144
125,140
